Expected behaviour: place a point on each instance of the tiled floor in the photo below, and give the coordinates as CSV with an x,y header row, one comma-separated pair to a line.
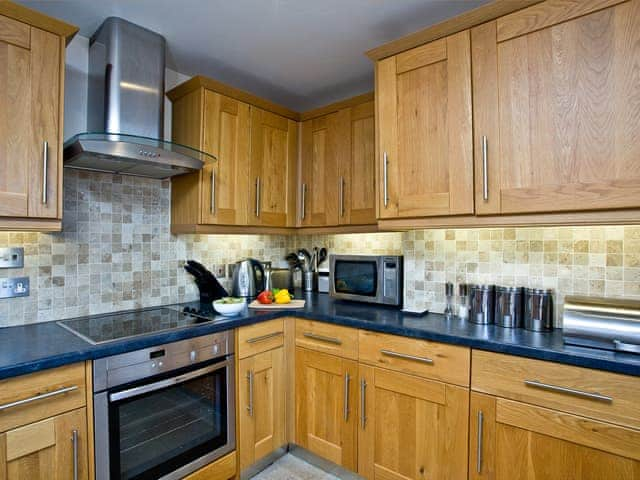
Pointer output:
x,y
293,468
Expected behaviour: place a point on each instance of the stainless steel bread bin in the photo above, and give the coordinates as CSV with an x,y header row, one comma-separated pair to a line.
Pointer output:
x,y
607,323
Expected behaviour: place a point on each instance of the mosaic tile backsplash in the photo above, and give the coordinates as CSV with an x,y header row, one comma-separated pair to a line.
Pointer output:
x,y
116,252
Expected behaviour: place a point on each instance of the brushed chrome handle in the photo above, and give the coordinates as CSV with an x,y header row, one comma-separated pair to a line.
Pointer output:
x,y
257,196
250,381
390,353
385,178
322,338
363,403
264,337
569,391
213,191
341,196
45,170
479,442
304,201
347,379
41,396
485,170
74,441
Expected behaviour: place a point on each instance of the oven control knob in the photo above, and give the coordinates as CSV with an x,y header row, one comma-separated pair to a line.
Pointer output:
x,y
160,364
193,355
216,348
153,364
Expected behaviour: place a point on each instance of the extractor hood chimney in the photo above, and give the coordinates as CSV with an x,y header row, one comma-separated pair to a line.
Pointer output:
x,y
126,108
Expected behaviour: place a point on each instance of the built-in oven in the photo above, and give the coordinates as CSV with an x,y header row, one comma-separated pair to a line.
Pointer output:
x,y
166,411
367,278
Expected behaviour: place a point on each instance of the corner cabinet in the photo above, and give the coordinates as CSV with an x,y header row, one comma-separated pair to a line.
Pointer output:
x,y
556,110
425,138
337,165
32,49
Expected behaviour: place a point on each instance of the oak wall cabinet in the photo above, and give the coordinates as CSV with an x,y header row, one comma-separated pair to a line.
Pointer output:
x,y
337,165
425,138
252,180
556,115
535,419
32,50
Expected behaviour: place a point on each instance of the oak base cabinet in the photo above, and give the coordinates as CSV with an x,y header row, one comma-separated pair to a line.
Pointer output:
x,y
410,427
512,440
51,449
326,410
261,406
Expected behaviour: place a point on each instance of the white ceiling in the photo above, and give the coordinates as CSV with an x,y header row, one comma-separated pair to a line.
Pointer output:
x,y
299,53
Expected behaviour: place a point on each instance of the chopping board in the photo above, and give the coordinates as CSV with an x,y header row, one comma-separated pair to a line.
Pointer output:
x,y
277,306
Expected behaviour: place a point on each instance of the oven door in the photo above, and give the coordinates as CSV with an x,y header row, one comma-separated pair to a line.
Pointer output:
x,y
356,277
173,426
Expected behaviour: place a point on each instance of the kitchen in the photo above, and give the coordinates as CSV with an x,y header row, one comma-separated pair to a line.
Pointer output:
x,y
525,111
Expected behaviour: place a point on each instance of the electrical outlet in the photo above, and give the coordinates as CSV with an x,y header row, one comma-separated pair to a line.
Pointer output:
x,y
14,287
12,257
220,271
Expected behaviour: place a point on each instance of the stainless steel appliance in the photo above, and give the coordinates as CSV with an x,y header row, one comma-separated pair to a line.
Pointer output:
x,y
607,323
538,309
165,411
367,278
482,304
125,108
509,307
248,278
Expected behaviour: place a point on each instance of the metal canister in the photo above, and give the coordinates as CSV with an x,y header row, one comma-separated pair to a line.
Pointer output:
x,y
509,307
538,309
482,304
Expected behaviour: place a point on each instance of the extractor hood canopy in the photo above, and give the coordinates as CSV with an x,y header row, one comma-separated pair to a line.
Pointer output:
x,y
132,155
125,108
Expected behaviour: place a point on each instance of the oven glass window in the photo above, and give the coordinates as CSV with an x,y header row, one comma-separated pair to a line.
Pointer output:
x,y
356,278
157,432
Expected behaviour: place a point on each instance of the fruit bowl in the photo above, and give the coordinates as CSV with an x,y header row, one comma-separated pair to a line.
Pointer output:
x,y
229,306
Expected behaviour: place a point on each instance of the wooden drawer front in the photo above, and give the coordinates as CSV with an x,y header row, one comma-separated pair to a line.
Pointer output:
x,y
222,469
591,393
447,363
328,338
44,394
260,337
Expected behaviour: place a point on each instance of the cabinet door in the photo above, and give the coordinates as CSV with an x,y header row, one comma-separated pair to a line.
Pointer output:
x,y
358,200
326,413
512,440
319,171
225,183
411,428
261,405
29,120
556,96
274,147
425,132
45,450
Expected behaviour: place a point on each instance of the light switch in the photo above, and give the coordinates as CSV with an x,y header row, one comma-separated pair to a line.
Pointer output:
x,y
12,257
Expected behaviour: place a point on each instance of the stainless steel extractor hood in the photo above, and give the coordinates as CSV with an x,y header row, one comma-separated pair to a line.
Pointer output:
x,y
126,108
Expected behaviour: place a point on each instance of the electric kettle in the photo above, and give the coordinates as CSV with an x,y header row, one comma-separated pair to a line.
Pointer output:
x,y
248,278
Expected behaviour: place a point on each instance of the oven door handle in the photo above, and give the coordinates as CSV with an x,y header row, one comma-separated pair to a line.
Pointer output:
x,y
169,382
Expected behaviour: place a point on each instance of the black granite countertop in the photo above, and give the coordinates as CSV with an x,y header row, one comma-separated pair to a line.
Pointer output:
x,y
30,348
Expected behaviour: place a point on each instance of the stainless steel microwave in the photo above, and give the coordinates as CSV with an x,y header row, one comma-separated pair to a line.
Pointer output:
x,y
367,278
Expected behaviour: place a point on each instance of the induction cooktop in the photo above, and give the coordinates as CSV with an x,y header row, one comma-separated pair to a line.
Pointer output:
x,y
117,326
